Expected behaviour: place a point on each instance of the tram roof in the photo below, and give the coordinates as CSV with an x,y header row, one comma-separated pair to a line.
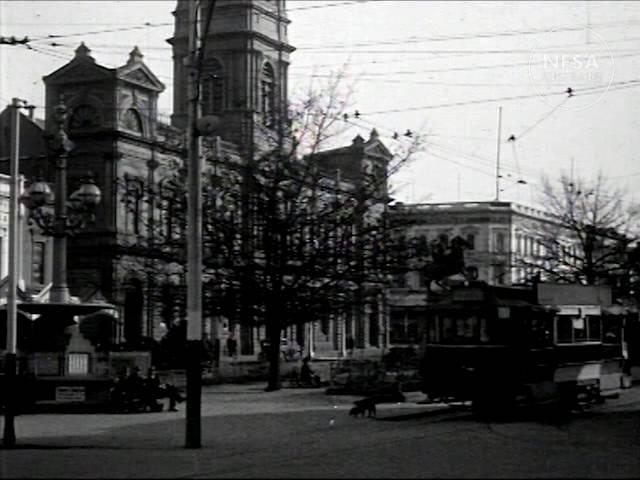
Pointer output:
x,y
482,294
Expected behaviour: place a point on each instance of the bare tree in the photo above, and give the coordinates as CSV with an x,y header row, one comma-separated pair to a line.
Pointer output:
x,y
292,234
586,236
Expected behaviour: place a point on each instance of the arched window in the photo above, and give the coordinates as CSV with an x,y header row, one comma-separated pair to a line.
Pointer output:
x,y
132,121
84,117
268,95
212,93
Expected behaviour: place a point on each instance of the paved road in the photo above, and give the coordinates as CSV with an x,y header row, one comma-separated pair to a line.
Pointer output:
x,y
248,433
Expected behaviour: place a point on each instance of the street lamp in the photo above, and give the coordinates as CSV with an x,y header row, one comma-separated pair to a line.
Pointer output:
x,y
55,214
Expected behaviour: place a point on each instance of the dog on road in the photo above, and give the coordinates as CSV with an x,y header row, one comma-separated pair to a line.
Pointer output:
x,y
368,405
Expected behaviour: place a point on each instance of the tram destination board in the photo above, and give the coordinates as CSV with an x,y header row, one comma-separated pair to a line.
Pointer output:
x,y
70,394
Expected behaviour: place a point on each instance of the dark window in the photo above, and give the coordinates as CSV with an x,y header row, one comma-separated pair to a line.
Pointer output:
x,y
471,241
132,121
595,328
213,88
499,274
611,329
84,116
134,196
500,244
564,326
576,329
324,325
459,329
579,329
403,327
268,95
374,329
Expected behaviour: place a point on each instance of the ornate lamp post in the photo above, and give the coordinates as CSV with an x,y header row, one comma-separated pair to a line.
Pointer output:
x,y
54,213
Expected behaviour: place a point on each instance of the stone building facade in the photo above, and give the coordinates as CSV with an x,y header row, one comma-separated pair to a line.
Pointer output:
x,y
121,144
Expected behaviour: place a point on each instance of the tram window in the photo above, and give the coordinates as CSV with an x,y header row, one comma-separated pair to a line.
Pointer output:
x,y
470,327
579,329
540,333
575,329
611,329
432,331
403,327
484,334
460,327
564,325
595,328
448,332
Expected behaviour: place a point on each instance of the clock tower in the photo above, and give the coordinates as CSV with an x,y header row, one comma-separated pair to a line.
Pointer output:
x,y
244,72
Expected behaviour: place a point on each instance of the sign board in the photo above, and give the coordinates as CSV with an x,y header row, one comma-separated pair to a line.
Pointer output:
x,y
468,295
559,294
66,394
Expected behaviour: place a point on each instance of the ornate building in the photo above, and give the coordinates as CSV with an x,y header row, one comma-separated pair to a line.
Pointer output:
x,y
112,121
113,127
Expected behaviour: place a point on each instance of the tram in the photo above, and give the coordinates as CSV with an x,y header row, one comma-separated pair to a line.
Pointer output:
x,y
502,346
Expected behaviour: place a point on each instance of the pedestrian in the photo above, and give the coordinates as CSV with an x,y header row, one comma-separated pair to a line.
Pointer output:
x,y
232,346
133,389
152,390
155,390
308,378
173,394
117,393
292,350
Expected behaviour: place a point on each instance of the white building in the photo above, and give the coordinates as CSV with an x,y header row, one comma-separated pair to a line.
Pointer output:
x,y
34,249
500,235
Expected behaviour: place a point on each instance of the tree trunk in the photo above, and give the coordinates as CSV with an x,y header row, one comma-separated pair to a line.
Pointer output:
x,y
273,356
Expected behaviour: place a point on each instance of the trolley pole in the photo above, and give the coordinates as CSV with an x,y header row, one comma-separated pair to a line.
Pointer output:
x,y
194,242
498,154
9,433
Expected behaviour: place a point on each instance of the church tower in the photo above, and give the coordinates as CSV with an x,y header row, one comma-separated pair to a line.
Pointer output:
x,y
244,75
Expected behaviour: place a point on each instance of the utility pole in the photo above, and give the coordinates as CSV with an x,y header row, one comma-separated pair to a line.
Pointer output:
x,y
9,434
194,239
498,155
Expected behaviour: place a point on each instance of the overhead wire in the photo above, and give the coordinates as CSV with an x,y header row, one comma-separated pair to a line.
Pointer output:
x,y
166,24
430,143
473,36
514,138
586,91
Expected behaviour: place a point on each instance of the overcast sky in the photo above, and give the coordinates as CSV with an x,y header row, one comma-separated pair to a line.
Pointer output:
x,y
439,67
